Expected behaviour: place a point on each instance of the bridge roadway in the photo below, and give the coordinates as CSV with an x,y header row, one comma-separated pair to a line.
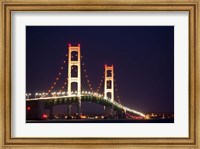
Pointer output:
x,y
92,97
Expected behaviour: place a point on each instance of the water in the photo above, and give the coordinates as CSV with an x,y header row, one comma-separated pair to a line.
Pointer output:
x,y
101,121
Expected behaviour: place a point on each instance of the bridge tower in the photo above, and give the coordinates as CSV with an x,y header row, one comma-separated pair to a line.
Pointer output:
x,y
77,79
109,82
74,63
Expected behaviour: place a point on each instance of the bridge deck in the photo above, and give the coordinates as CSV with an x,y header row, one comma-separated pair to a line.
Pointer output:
x,y
97,98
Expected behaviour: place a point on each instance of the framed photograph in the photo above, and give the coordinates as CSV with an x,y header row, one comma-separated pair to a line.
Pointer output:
x,y
98,74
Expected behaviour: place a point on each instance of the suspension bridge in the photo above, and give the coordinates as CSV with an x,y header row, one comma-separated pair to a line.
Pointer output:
x,y
76,95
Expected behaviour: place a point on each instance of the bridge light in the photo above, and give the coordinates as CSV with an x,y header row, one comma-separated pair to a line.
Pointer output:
x,y
36,93
28,108
44,116
29,94
63,93
79,44
26,94
69,45
43,93
40,94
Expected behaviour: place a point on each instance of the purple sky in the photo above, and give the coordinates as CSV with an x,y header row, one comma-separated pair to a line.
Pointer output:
x,y
143,59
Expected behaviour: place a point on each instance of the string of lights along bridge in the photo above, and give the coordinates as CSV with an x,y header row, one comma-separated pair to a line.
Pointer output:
x,y
68,97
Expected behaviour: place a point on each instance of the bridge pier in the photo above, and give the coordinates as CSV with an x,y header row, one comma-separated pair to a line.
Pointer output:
x,y
69,111
124,114
112,112
79,107
121,115
109,112
41,108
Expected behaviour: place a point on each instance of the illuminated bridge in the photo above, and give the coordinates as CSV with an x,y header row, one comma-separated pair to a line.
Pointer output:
x,y
48,99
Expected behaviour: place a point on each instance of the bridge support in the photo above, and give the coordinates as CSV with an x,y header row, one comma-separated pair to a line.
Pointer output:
x,y
109,89
76,79
77,63
121,114
41,108
69,112
109,112
109,82
79,107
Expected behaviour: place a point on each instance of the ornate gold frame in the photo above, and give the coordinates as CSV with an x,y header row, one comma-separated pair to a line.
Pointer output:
x,y
192,6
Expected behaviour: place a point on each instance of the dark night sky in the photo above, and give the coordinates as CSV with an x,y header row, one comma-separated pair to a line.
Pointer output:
x,y
143,59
